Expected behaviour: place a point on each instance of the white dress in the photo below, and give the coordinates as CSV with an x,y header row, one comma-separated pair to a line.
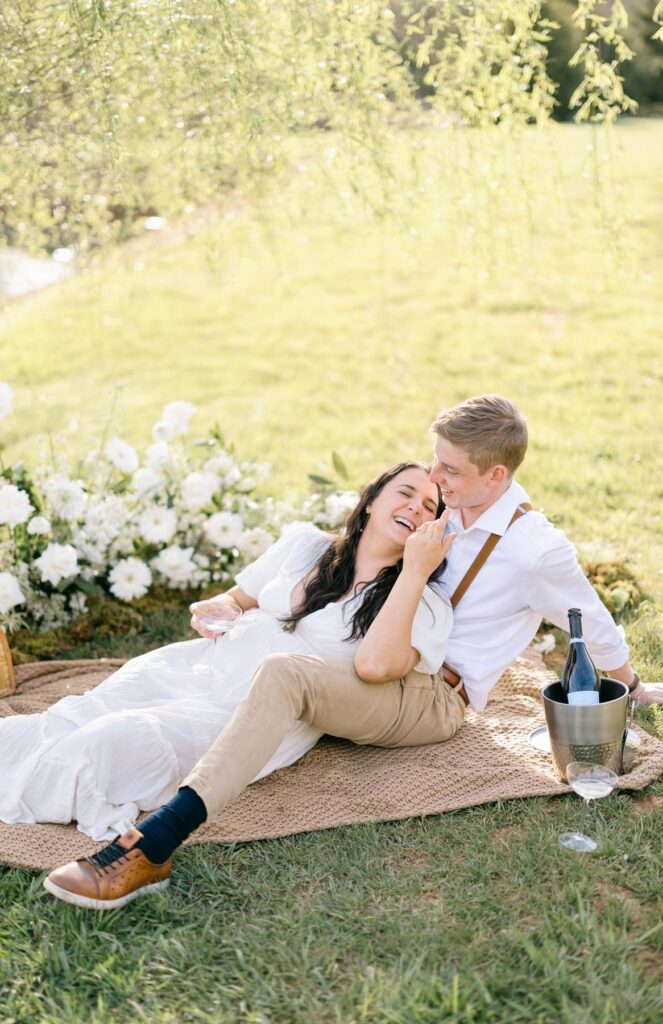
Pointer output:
x,y
126,745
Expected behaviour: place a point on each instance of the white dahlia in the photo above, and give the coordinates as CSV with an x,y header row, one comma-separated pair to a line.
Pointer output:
x,y
66,497
255,542
157,524
175,564
198,489
129,579
224,529
146,481
121,455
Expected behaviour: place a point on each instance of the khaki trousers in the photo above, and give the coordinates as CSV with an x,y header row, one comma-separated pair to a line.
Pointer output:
x,y
330,696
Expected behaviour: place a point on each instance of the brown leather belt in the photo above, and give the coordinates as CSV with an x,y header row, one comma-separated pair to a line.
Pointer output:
x,y
453,679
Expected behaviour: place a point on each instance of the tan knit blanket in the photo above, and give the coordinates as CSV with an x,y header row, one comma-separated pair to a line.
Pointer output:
x,y
338,783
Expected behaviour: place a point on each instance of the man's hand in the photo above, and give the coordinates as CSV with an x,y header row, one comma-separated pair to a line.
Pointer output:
x,y
651,693
426,549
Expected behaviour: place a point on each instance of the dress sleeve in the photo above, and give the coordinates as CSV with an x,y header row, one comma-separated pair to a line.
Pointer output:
x,y
297,550
431,629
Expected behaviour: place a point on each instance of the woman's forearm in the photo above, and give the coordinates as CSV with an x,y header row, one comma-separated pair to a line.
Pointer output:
x,y
386,650
238,597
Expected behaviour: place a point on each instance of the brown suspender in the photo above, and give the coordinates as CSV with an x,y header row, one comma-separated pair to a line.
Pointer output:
x,y
446,671
481,558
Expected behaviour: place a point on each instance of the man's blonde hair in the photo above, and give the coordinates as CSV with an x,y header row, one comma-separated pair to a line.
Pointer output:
x,y
491,429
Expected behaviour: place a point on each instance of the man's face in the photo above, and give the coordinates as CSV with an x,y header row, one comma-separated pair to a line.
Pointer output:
x,y
459,479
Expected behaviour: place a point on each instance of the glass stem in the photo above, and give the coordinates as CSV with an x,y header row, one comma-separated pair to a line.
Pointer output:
x,y
587,801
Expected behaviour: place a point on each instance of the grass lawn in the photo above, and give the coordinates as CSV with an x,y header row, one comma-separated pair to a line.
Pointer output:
x,y
309,324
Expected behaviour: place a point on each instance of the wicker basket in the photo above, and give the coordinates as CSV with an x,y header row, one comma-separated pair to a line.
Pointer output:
x,y
7,680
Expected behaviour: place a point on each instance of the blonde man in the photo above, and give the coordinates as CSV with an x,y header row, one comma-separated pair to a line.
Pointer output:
x,y
506,568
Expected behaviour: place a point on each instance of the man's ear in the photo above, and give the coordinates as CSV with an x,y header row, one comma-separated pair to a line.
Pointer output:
x,y
498,474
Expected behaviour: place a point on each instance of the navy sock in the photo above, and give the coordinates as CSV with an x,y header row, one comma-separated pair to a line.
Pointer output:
x,y
166,829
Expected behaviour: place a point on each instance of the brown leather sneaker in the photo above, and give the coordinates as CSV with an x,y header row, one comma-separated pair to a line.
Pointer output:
x,y
109,879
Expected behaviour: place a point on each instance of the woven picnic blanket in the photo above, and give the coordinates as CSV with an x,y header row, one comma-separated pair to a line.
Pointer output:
x,y
337,782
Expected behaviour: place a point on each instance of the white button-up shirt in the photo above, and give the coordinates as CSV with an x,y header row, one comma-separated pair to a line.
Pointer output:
x,y
532,574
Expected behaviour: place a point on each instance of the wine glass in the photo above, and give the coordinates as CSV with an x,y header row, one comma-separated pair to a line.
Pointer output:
x,y
218,620
590,781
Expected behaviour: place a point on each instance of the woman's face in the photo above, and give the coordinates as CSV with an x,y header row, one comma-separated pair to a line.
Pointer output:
x,y
403,504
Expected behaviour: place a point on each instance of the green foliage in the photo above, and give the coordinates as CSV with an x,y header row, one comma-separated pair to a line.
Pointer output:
x,y
616,585
113,113
600,95
642,78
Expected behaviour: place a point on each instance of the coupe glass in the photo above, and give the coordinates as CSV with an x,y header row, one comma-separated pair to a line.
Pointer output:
x,y
219,620
590,781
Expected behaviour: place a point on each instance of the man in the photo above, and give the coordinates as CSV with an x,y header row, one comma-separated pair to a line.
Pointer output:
x,y
507,569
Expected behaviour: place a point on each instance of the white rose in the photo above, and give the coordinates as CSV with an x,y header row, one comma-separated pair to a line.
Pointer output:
x,y
338,506
158,455
122,455
254,542
199,488
224,529
219,463
10,590
105,517
157,524
39,525
15,506
66,497
130,578
232,476
58,562
175,564
177,415
6,399
162,431
146,480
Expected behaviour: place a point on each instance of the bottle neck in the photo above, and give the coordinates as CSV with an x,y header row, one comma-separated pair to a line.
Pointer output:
x,y
575,626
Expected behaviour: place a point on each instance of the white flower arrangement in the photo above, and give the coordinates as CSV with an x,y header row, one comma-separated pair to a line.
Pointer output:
x,y
182,516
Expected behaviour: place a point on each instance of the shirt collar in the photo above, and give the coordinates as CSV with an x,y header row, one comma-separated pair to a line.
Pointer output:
x,y
497,516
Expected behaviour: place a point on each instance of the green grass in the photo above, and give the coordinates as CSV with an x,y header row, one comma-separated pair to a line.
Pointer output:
x,y
310,325
473,916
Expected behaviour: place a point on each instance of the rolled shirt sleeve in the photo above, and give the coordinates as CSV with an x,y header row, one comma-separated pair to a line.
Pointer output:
x,y
431,629
556,583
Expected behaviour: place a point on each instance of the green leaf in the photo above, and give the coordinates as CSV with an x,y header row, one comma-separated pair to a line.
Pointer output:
x,y
93,589
339,465
314,478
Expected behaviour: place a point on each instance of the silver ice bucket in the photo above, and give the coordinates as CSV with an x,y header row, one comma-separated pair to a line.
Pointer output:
x,y
593,732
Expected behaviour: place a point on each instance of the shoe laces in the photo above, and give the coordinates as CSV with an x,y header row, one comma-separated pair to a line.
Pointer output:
x,y
107,856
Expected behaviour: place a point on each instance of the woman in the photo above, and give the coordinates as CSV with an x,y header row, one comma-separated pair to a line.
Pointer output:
x,y
126,745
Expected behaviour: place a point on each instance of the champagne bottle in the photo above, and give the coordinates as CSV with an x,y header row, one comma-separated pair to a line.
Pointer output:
x,y
580,680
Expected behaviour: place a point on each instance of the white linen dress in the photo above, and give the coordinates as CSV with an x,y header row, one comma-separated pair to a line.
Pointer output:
x,y
125,746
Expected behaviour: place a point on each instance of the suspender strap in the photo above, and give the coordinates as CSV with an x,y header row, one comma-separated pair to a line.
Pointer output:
x,y
483,555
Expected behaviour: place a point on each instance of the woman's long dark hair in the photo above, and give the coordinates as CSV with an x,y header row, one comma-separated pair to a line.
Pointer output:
x,y
335,571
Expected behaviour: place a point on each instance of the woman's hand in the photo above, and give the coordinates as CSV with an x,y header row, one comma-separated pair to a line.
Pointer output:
x,y
427,548
223,610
